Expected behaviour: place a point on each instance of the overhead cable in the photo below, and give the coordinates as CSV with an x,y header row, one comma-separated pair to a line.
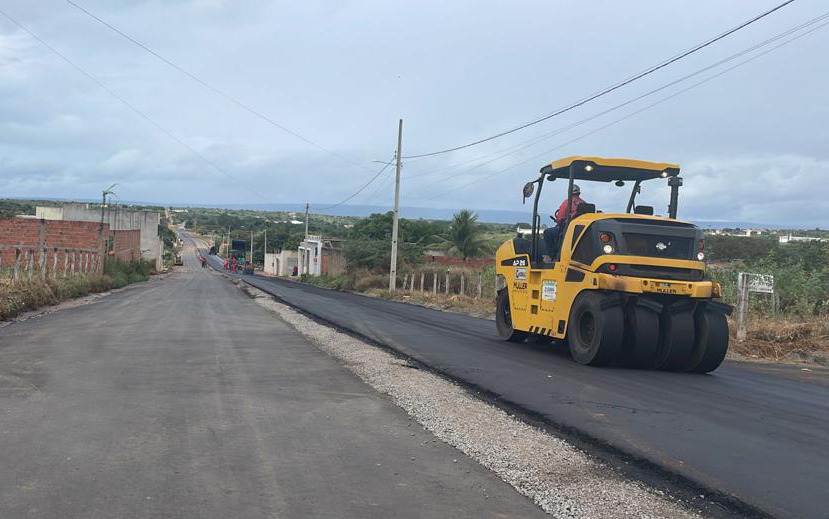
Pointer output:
x,y
521,146
216,90
126,103
632,114
608,89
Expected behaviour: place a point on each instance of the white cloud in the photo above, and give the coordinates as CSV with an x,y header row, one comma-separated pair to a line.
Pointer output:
x,y
752,143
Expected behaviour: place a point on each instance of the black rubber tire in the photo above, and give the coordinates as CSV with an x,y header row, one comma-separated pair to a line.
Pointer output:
x,y
711,344
503,320
676,338
641,339
596,328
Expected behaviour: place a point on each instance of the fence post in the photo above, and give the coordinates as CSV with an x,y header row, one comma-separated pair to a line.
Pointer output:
x,y
30,263
43,263
405,280
16,264
447,282
55,263
462,284
480,278
422,279
435,283
742,305
411,283
65,263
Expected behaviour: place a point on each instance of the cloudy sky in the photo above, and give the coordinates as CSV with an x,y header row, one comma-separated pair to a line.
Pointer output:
x,y
752,142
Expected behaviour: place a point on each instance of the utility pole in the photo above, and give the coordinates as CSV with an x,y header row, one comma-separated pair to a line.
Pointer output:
x,y
307,206
251,248
393,267
104,193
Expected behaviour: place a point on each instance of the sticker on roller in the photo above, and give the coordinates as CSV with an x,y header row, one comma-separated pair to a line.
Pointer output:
x,y
548,290
521,273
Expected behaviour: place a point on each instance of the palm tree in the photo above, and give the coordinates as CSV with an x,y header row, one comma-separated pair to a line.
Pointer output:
x,y
464,237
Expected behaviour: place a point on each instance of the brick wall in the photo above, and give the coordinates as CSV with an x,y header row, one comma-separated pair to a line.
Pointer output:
x,y
18,231
73,235
126,245
56,236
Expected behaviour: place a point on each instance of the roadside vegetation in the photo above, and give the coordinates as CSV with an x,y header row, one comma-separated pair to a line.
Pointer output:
x,y
793,324
31,294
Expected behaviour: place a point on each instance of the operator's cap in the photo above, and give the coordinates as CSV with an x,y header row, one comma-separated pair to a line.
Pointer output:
x,y
576,189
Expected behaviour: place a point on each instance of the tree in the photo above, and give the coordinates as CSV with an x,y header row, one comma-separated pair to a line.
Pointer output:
x,y
464,237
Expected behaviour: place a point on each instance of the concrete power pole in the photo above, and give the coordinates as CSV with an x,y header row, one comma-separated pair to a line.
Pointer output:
x,y
104,247
307,206
393,267
251,248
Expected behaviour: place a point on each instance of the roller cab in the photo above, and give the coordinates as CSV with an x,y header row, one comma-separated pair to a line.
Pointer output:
x,y
624,288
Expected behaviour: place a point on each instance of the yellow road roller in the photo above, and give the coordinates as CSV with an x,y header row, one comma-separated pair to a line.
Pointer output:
x,y
622,288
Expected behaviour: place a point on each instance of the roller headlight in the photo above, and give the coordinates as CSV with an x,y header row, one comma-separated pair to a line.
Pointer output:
x,y
700,255
607,249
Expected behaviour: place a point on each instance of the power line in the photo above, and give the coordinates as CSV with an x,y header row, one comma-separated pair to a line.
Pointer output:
x,y
609,89
632,114
387,164
560,130
125,102
216,90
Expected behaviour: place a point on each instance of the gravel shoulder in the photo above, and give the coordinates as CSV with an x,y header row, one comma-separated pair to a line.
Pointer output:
x,y
563,480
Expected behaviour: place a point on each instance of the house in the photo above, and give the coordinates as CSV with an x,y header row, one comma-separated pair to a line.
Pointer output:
x,y
281,263
788,238
63,247
319,256
119,219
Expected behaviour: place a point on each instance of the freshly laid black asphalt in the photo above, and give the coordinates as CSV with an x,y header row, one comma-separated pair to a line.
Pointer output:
x,y
183,398
758,433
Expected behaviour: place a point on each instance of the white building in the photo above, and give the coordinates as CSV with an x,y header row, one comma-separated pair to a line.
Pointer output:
x,y
280,263
788,238
319,256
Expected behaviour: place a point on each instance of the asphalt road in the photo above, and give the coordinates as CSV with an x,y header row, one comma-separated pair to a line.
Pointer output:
x,y
758,433
184,398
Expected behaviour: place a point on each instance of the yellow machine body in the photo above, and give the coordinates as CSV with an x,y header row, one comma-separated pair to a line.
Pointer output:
x,y
623,288
541,298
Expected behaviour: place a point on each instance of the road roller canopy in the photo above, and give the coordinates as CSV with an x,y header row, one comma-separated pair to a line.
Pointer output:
x,y
600,169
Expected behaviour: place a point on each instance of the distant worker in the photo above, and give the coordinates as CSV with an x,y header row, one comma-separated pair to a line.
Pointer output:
x,y
226,265
233,264
203,261
553,234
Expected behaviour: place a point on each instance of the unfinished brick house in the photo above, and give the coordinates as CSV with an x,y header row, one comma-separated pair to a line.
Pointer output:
x,y
59,247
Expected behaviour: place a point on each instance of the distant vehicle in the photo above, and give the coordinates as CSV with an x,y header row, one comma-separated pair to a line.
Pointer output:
x,y
212,251
178,261
247,268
